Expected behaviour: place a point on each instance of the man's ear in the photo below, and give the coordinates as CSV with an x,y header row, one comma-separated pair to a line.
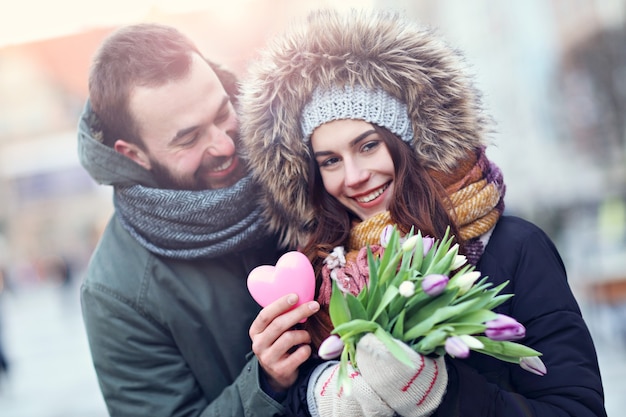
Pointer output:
x,y
132,151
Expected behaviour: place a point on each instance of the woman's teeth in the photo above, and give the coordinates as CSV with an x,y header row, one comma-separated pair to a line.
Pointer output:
x,y
371,196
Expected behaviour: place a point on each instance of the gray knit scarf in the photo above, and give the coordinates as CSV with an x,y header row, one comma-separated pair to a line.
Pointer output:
x,y
184,224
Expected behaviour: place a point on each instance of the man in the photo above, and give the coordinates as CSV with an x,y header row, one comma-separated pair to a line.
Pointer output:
x,y
165,303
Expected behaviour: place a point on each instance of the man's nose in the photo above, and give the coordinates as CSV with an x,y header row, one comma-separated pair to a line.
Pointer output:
x,y
220,142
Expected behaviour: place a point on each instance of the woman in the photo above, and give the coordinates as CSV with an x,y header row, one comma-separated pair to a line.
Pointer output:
x,y
353,122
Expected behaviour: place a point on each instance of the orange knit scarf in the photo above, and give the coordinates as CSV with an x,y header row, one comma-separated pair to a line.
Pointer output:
x,y
476,194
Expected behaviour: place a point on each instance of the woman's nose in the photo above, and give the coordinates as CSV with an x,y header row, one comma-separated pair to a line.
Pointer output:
x,y
354,174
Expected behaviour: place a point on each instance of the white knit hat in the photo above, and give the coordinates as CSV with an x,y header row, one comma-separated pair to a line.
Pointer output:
x,y
374,49
356,102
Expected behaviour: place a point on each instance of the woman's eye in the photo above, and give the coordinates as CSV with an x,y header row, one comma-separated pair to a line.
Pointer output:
x,y
328,162
368,146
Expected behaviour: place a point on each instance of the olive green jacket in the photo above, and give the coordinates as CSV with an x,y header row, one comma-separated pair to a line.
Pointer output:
x,y
169,337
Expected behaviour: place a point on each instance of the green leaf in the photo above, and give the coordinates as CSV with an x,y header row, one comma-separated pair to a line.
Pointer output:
x,y
432,340
383,319
374,293
342,377
460,328
443,246
373,301
389,295
448,312
355,327
438,316
397,305
480,300
506,348
389,269
442,266
498,356
476,317
391,249
401,276
338,307
357,311
427,307
414,302
440,351
398,327
373,266
418,253
418,330
393,347
498,300
428,259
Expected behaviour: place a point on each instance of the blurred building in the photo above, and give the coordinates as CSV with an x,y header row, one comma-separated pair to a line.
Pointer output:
x,y
553,75
50,206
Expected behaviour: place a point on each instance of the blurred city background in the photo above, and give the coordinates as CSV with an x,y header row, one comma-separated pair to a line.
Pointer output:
x,y
553,74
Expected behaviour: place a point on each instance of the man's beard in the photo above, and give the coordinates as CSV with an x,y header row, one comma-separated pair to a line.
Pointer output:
x,y
166,180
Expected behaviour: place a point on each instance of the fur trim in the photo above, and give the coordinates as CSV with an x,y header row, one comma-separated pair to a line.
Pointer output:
x,y
369,48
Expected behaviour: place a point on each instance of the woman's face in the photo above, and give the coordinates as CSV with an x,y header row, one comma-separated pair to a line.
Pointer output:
x,y
355,165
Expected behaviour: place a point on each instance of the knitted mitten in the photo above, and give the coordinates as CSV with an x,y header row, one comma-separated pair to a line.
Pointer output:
x,y
325,398
411,391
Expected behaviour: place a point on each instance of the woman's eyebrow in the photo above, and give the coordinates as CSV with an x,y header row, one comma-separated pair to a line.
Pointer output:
x,y
352,142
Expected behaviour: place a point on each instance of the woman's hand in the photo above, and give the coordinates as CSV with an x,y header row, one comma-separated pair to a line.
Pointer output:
x,y
412,391
279,347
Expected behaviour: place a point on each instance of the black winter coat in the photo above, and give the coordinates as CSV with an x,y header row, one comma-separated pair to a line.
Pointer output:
x,y
481,386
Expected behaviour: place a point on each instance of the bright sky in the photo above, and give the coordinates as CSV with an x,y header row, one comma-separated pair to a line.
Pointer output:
x,y
30,20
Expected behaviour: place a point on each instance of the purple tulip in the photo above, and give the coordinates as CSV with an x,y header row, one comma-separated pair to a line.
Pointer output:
x,y
533,364
428,243
331,347
386,235
456,347
434,284
504,328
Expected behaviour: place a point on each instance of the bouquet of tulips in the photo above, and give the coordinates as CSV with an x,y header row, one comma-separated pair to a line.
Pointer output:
x,y
423,293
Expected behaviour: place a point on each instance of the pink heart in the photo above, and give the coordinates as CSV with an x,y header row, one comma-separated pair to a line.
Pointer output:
x,y
293,273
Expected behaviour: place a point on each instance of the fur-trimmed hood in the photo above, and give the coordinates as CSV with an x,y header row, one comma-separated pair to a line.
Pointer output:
x,y
374,49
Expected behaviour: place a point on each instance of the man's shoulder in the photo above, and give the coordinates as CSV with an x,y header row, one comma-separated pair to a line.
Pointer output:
x,y
119,261
121,264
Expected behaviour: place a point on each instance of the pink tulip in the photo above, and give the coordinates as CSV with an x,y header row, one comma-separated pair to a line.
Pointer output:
x,y
504,328
331,347
386,235
533,364
428,243
456,347
434,284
